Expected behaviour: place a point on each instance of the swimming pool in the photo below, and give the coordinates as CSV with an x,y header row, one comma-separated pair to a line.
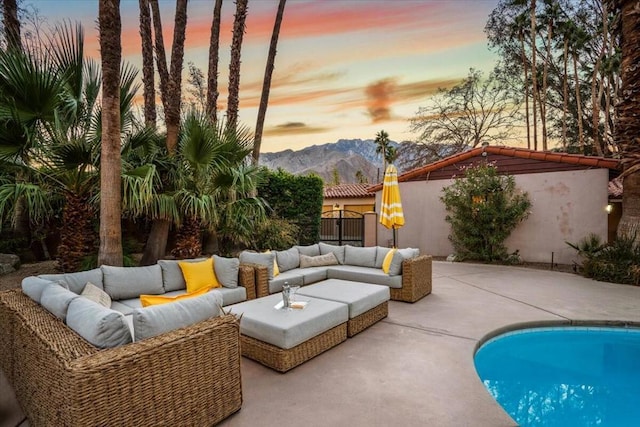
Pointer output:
x,y
565,376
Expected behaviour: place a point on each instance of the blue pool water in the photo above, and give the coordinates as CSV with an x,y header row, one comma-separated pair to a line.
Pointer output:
x,y
565,376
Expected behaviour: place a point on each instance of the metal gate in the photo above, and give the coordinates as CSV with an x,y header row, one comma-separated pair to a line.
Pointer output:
x,y
342,227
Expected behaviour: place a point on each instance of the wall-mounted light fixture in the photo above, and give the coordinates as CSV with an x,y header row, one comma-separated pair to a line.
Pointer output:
x,y
609,208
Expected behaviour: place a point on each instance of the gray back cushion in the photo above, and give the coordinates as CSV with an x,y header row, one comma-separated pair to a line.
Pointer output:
x,y
288,260
131,282
226,270
101,326
380,254
265,259
158,319
56,299
76,281
311,250
172,278
401,254
338,251
364,257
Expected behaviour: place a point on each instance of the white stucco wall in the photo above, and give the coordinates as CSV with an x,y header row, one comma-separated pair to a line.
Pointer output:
x,y
566,206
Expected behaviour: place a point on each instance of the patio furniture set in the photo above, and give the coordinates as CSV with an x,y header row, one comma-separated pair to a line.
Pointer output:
x,y
75,346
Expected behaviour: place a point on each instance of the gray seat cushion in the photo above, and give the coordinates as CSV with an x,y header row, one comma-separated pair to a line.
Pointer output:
x,y
364,274
338,251
158,319
101,326
288,260
124,309
288,328
293,277
363,257
56,299
131,282
172,278
313,274
228,295
76,281
361,297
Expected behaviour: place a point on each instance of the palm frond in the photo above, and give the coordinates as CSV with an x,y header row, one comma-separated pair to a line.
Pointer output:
x,y
37,201
138,189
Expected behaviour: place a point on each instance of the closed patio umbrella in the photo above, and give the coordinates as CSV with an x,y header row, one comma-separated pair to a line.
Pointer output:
x,y
391,215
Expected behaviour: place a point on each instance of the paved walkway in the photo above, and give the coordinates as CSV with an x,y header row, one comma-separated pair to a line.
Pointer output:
x,y
415,368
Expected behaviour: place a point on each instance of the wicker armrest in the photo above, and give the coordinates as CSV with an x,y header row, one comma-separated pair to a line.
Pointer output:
x,y
247,279
416,279
187,376
261,276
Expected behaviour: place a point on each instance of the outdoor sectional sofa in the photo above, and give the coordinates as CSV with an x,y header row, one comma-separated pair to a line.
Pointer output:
x,y
176,375
409,277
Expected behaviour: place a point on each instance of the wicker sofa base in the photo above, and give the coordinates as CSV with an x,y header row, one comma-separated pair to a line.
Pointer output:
x,y
366,319
283,360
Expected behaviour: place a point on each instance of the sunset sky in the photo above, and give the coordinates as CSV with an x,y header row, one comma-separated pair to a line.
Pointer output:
x,y
344,69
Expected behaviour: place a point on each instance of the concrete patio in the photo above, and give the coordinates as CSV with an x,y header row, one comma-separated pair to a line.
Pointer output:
x,y
415,368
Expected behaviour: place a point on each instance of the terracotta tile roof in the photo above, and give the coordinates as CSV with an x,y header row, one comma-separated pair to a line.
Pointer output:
x,y
347,191
572,159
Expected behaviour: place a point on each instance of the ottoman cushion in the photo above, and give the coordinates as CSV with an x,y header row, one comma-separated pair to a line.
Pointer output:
x,y
361,297
288,328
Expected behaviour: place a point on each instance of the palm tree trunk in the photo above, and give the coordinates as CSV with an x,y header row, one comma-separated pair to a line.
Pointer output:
x,y
266,84
628,109
110,252
156,246
148,78
578,102
534,73
11,24
76,233
565,92
214,54
188,239
526,87
543,95
234,64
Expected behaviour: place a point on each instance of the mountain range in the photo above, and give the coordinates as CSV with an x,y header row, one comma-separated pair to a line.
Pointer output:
x,y
346,156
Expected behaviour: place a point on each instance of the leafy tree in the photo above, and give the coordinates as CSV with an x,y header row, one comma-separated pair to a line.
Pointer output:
x,y
361,178
335,177
483,209
473,112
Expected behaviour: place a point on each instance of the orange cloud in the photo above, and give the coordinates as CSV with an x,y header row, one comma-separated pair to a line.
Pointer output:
x,y
379,100
293,128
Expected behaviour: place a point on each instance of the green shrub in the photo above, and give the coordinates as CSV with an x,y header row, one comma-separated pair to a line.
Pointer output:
x,y
618,262
297,199
277,234
483,209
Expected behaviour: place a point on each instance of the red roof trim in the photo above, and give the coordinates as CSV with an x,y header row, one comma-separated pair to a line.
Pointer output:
x,y
572,159
347,191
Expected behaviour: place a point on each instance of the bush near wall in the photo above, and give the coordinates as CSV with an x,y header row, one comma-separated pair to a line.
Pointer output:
x,y
297,199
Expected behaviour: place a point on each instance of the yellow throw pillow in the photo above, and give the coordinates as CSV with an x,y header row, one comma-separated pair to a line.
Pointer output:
x,y
199,275
387,260
148,300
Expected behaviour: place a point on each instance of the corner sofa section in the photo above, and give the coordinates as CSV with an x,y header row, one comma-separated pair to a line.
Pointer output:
x,y
409,278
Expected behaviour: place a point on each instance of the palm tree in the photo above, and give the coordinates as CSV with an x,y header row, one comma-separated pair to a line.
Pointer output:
x,y
212,185
50,128
11,24
110,26
266,84
149,91
234,64
382,141
627,131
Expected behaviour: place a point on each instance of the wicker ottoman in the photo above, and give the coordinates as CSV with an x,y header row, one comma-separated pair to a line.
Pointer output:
x,y
367,303
283,339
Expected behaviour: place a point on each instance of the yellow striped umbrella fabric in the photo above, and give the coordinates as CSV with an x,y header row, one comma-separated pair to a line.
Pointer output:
x,y
391,215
